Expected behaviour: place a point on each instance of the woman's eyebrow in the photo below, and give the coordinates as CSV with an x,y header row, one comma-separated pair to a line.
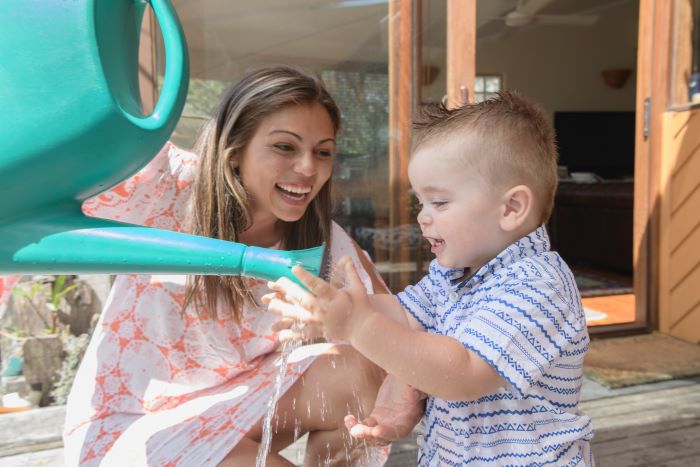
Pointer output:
x,y
332,140
287,132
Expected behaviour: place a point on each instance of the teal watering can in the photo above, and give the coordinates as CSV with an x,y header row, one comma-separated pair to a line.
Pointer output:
x,y
72,125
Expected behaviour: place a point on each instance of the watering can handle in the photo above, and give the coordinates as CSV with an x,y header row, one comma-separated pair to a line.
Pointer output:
x,y
176,69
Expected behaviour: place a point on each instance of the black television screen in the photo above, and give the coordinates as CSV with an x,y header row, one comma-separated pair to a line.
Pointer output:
x,y
599,142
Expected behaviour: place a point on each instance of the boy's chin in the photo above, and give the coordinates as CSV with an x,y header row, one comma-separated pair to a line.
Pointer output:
x,y
447,264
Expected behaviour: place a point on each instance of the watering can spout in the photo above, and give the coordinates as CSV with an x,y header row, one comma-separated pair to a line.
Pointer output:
x,y
67,243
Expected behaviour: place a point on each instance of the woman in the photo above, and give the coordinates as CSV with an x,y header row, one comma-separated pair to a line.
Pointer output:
x,y
180,370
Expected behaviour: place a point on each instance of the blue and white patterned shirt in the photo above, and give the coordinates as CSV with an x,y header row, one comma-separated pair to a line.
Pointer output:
x,y
522,313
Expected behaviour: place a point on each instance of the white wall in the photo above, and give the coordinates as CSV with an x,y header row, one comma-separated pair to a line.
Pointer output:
x,y
560,66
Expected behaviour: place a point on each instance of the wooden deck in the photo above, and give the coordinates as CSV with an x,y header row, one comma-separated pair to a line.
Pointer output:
x,y
654,428
657,427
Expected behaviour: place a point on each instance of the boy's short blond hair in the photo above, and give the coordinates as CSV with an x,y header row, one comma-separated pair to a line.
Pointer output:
x,y
507,139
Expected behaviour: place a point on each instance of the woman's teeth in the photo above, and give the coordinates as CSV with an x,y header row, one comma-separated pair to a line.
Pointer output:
x,y
294,192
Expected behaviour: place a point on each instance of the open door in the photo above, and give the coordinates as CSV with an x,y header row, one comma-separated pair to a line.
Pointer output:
x,y
596,67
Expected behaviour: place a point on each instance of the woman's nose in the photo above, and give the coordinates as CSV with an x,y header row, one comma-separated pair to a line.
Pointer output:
x,y
306,164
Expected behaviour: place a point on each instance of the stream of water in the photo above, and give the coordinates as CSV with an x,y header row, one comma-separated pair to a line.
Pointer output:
x,y
287,348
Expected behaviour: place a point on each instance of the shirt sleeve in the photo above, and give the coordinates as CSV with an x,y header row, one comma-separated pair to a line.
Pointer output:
x,y
342,245
6,285
156,196
416,300
521,329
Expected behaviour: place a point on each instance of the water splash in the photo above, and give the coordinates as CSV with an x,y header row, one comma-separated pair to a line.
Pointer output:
x,y
287,348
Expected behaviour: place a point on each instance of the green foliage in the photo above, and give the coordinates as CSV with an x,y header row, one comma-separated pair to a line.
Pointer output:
x,y
202,97
51,291
29,295
52,296
363,99
58,291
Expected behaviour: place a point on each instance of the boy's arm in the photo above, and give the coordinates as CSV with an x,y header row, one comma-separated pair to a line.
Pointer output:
x,y
399,406
435,364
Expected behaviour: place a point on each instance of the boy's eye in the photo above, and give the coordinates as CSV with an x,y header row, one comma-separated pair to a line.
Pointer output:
x,y
437,204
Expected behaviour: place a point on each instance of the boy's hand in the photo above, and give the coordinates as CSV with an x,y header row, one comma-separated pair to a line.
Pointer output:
x,y
340,311
398,408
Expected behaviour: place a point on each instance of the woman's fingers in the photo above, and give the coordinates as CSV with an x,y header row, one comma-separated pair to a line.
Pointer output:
x,y
293,293
267,298
283,324
290,310
289,330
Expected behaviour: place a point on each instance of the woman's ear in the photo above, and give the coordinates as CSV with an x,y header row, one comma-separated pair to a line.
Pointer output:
x,y
233,162
517,207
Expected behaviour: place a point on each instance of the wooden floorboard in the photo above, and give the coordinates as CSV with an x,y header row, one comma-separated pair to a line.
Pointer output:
x,y
660,428
657,428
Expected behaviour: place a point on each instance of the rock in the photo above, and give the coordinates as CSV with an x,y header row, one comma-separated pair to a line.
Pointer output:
x,y
43,356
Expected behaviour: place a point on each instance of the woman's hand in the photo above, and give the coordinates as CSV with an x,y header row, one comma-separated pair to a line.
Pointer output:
x,y
289,330
339,311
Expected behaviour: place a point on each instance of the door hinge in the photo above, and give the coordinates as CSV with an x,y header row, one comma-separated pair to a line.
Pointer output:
x,y
647,117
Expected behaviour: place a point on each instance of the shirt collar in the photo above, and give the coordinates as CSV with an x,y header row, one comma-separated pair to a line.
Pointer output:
x,y
532,244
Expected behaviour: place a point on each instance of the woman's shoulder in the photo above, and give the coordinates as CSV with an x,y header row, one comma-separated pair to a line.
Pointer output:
x,y
155,196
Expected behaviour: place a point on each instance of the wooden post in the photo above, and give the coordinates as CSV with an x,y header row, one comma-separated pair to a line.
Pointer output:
x,y
404,95
148,82
461,51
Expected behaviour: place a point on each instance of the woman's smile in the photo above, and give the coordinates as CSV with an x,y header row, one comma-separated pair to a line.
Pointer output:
x,y
294,193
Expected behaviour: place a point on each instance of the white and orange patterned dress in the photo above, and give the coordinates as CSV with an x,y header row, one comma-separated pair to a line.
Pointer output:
x,y
159,386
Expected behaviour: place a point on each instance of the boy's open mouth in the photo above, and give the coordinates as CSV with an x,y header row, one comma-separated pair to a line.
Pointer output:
x,y
434,242
294,192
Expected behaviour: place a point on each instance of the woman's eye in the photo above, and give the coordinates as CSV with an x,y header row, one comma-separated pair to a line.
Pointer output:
x,y
284,147
324,152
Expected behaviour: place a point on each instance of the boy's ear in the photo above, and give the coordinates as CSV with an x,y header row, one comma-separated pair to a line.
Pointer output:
x,y
517,207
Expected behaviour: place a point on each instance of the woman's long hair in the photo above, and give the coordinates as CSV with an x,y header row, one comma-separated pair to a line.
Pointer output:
x,y
219,201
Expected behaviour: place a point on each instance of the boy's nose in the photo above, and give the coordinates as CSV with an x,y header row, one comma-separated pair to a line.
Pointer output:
x,y
423,218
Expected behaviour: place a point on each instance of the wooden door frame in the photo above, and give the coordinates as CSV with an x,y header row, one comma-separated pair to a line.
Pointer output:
x,y
654,53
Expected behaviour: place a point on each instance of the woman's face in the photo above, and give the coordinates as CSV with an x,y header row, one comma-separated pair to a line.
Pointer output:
x,y
286,162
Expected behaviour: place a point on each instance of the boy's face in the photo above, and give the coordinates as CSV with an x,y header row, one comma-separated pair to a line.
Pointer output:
x,y
458,216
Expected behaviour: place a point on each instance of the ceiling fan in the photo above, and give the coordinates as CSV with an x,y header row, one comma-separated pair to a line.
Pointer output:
x,y
526,13
355,3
